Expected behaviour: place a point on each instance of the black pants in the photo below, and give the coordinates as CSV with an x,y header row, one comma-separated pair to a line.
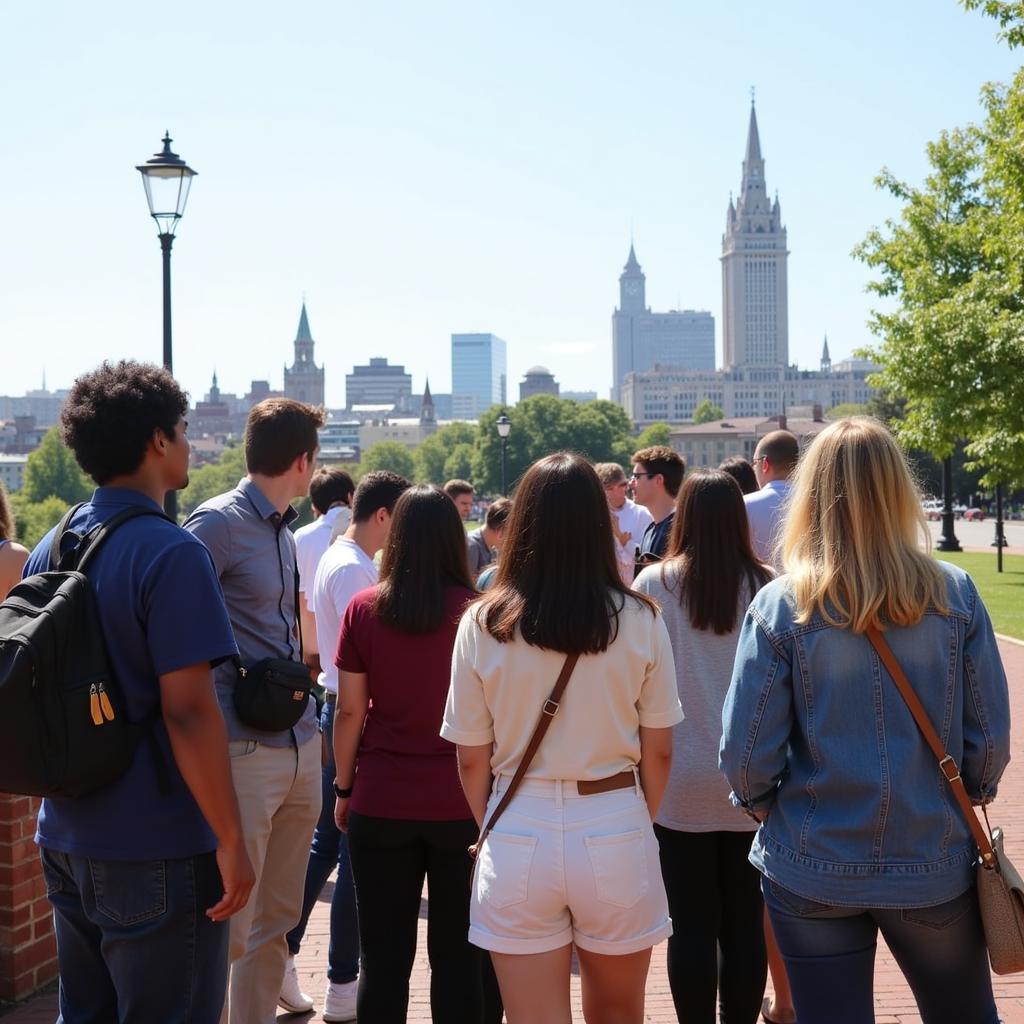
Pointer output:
x,y
390,858
717,944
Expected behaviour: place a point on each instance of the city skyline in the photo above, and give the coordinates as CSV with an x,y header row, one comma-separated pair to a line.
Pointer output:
x,y
415,177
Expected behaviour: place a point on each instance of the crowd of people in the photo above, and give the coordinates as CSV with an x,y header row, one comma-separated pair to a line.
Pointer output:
x,y
623,709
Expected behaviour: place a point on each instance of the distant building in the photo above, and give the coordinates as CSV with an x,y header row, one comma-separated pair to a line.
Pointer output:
x,y
442,404
43,405
12,471
580,396
707,444
304,380
642,339
538,380
479,374
668,395
339,441
378,383
428,414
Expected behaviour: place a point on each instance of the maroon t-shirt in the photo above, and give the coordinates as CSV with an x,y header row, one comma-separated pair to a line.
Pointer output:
x,y
403,768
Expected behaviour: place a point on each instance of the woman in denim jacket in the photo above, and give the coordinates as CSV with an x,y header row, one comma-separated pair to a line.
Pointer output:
x,y
860,831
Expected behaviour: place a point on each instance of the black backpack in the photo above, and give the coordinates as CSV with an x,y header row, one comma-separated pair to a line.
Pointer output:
x,y
63,731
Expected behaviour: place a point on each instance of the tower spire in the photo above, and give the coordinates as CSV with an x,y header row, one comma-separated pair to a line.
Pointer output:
x,y
753,139
303,332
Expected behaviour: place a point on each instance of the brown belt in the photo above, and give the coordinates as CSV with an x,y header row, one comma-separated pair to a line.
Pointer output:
x,y
621,781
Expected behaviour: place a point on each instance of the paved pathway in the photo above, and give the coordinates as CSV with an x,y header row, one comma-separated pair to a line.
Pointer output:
x,y
893,1001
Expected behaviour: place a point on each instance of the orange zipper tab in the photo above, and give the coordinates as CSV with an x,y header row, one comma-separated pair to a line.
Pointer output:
x,y
105,705
94,705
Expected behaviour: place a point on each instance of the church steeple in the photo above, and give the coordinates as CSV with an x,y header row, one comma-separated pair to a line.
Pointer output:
x,y
632,285
428,415
304,380
826,359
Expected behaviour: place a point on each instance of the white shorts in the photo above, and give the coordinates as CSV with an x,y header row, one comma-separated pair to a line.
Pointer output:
x,y
561,868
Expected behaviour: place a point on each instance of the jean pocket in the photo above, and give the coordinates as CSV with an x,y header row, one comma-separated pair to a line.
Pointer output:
x,y
51,876
503,872
792,903
129,892
942,915
619,863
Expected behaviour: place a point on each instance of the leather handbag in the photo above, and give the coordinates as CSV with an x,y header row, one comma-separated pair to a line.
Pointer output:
x,y
1000,890
547,713
272,694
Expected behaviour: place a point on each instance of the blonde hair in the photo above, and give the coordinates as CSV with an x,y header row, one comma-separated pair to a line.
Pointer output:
x,y
853,538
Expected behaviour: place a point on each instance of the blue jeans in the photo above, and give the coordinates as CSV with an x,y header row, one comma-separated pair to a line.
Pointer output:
x,y
830,957
330,848
134,944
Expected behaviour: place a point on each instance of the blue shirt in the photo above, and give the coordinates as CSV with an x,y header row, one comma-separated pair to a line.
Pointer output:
x,y
254,554
160,610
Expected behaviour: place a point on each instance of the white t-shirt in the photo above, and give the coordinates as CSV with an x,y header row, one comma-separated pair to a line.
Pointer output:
x,y
634,520
312,541
766,510
497,691
344,570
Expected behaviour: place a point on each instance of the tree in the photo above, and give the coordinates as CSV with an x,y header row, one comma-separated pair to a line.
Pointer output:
x,y
34,519
459,464
1009,14
212,479
391,455
708,412
656,433
432,454
51,471
838,412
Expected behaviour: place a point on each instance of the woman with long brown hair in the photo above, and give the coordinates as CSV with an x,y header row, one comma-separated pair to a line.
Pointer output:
x,y
399,795
860,830
708,578
573,859
12,555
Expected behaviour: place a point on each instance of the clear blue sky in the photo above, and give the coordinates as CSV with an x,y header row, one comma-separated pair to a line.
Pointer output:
x,y
417,169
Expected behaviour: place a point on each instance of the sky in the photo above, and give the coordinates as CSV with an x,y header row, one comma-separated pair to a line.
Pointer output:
x,y
416,169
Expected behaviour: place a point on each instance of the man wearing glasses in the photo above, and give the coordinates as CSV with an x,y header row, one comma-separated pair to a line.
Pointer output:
x,y
657,476
775,459
629,520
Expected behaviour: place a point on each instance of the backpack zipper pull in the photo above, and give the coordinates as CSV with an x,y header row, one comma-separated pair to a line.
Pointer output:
x,y
94,705
105,706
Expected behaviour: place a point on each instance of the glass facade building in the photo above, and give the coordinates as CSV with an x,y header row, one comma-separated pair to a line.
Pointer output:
x,y
479,374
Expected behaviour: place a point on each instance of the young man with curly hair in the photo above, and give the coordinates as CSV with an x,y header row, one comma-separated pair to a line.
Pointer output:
x,y
142,876
276,773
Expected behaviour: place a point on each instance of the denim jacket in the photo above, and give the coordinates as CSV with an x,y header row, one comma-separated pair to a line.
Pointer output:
x,y
816,734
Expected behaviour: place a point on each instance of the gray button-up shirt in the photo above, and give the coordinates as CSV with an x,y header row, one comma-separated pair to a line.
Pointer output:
x,y
254,552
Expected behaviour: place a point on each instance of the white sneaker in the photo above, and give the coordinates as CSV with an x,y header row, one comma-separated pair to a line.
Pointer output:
x,y
292,998
340,1001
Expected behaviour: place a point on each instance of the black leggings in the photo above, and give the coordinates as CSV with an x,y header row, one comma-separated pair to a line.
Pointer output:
x,y
390,858
717,944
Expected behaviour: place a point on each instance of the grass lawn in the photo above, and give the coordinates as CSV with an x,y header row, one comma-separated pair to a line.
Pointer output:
x,y
1003,593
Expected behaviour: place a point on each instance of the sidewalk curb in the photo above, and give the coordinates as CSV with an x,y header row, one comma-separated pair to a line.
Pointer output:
x,y
1003,638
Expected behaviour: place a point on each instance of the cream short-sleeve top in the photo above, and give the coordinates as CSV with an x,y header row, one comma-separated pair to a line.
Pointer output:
x,y
497,691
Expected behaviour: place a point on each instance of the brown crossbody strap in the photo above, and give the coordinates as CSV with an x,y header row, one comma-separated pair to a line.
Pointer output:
x,y
547,713
947,765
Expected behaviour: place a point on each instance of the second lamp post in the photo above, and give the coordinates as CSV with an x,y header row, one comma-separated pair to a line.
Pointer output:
x,y
504,427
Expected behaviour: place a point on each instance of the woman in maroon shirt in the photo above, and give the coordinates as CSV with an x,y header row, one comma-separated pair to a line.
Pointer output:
x,y
399,796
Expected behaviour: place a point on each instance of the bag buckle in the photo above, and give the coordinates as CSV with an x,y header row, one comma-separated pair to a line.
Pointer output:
x,y
949,768
550,707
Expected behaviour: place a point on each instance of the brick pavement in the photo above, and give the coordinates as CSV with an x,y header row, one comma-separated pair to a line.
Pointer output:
x,y
893,1001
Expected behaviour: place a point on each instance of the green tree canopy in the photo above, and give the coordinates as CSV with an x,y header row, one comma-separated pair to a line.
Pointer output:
x,y
837,412
52,472
707,412
432,454
460,463
390,455
212,479
34,519
656,433
1008,13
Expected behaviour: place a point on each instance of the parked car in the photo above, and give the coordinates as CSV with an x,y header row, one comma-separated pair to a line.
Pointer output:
x,y
976,514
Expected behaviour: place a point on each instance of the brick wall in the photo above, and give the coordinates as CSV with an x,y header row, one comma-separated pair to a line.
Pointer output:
x,y
28,951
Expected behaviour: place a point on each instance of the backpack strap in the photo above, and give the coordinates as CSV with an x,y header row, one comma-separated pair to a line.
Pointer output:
x,y
58,535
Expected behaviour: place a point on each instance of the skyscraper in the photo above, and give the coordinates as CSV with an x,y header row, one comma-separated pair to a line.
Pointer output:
x,y
642,340
755,319
479,375
304,380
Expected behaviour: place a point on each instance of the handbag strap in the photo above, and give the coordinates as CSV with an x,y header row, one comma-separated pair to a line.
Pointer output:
x,y
947,765
547,713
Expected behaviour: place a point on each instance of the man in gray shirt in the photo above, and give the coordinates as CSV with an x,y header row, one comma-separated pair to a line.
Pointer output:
x,y
276,774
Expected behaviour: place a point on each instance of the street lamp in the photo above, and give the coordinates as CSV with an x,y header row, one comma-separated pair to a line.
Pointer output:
x,y
948,541
167,179
504,427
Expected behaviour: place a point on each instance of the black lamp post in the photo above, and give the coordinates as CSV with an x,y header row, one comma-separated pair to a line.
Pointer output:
x,y
167,179
504,426
948,541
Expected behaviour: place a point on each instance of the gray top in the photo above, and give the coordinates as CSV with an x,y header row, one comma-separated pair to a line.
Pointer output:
x,y
697,796
479,554
254,553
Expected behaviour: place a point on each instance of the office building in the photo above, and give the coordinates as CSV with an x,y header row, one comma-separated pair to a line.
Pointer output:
x,y
538,380
479,374
378,384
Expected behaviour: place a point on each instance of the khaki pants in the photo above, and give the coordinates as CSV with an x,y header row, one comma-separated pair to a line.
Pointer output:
x,y
279,797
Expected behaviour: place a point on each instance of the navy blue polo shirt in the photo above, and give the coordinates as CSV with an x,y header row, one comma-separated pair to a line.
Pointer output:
x,y
161,609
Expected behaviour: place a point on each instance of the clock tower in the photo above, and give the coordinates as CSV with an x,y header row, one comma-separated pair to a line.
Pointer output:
x,y
632,303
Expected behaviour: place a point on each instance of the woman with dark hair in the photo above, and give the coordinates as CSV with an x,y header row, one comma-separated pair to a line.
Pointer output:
x,y
708,578
573,859
398,789
742,472
12,555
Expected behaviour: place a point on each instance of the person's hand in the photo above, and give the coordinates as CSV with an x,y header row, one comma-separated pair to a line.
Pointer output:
x,y
238,878
622,536
341,813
